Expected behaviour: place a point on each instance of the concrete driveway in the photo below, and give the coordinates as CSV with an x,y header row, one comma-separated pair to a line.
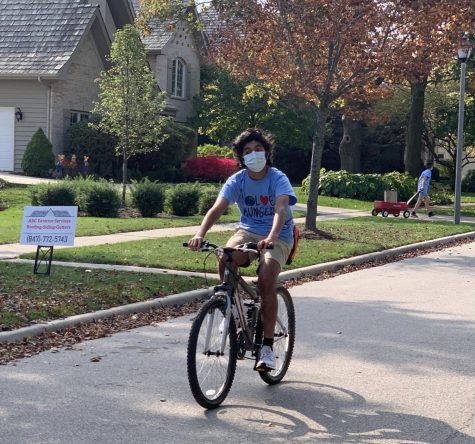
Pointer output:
x,y
383,355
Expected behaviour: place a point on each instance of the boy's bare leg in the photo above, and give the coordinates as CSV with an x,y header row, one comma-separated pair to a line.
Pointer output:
x,y
269,270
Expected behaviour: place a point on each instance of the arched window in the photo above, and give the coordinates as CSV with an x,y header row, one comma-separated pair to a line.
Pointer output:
x,y
178,78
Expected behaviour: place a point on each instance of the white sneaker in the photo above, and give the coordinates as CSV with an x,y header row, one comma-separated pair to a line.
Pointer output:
x,y
266,359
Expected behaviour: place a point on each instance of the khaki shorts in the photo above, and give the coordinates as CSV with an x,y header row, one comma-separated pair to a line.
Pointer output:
x,y
279,253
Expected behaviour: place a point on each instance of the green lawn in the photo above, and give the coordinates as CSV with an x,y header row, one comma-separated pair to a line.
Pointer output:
x,y
17,197
465,210
25,297
468,198
355,236
336,202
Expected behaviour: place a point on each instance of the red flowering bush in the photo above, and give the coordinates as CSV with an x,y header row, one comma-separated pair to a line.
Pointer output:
x,y
210,168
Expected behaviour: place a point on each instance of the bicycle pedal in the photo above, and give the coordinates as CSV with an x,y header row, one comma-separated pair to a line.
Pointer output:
x,y
262,369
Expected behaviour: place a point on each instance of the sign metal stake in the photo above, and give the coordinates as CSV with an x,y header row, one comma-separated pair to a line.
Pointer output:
x,y
44,256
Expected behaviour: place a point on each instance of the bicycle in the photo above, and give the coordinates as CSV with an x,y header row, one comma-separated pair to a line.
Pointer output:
x,y
228,328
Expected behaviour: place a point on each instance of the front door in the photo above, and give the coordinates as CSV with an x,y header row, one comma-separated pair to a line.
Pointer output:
x,y
7,138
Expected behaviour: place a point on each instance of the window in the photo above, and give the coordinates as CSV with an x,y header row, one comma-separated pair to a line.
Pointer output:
x,y
178,78
78,116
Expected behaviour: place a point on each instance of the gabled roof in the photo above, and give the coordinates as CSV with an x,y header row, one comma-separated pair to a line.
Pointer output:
x,y
38,37
160,31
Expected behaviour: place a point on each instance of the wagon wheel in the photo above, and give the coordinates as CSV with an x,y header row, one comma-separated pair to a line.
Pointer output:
x,y
385,213
406,214
374,212
396,214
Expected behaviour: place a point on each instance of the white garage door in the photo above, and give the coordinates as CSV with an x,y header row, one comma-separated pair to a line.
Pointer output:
x,y
7,138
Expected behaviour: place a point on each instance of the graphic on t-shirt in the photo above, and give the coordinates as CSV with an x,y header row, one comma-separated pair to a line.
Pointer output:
x,y
258,206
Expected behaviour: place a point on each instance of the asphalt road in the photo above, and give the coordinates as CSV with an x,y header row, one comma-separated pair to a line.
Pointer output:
x,y
383,355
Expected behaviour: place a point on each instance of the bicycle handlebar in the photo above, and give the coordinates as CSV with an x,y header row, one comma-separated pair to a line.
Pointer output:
x,y
249,246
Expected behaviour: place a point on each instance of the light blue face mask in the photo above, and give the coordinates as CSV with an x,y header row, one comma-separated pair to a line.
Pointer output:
x,y
255,161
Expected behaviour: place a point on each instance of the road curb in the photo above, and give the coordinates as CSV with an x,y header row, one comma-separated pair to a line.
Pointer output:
x,y
167,301
195,295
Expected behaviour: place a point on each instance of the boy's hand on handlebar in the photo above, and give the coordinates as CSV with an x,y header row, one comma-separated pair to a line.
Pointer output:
x,y
265,243
195,243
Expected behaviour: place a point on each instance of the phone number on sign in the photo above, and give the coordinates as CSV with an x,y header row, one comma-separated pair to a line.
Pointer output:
x,y
47,240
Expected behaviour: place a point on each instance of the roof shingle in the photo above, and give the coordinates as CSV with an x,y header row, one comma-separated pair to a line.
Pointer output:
x,y
37,37
160,31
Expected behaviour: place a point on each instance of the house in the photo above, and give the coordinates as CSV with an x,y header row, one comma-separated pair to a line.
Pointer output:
x,y
175,52
51,51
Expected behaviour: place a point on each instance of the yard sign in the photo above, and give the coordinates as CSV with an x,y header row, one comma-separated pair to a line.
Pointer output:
x,y
49,226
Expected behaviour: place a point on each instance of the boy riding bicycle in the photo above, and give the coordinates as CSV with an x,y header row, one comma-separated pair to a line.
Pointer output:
x,y
264,196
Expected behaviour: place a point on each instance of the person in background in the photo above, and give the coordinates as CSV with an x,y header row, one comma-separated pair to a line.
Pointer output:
x,y
423,190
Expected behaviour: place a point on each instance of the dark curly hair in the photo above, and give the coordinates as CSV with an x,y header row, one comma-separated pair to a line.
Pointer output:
x,y
265,139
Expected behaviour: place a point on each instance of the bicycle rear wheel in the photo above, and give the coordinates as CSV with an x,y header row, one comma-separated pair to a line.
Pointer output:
x,y
210,373
284,337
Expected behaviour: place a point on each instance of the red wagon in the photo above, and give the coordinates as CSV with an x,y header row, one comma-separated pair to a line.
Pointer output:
x,y
387,208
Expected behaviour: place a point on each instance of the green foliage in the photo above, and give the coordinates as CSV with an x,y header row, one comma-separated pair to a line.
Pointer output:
x,y
442,197
225,107
207,198
362,186
100,199
38,159
87,140
61,193
468,182
182,199
130,103
3,204
148,197
164,165
209,149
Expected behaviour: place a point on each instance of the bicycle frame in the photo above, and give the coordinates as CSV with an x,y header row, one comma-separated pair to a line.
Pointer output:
x,y
234,303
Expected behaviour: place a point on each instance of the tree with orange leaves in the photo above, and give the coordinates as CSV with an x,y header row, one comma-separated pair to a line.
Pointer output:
x,y
320,50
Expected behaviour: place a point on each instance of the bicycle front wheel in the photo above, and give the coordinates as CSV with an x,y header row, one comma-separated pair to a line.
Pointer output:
x,y
284,337
210,370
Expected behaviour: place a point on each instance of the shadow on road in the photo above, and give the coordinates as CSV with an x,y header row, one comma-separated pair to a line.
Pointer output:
x,y
311,412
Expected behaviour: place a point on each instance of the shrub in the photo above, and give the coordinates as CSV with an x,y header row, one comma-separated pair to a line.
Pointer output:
x,y
210,168
182,199
441,198
101,199
56,194
38,159
468,182
3,205
214,150
207,198
81,187
148,197
164,164
362,186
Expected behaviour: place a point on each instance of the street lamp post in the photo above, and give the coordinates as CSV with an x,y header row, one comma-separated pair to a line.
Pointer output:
x,y
463,55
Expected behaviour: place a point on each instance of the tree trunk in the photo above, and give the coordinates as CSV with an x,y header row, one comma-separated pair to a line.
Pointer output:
x,y
124,175
415,126
350,145
317,151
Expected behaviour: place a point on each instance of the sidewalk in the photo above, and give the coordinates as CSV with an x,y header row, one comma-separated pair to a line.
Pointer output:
x,y
12,251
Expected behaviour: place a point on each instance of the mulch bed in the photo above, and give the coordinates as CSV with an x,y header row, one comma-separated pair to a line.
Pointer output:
x,y
10,352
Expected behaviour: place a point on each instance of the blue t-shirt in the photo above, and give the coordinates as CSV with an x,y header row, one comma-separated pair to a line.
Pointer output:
x,y
256,200
426,173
